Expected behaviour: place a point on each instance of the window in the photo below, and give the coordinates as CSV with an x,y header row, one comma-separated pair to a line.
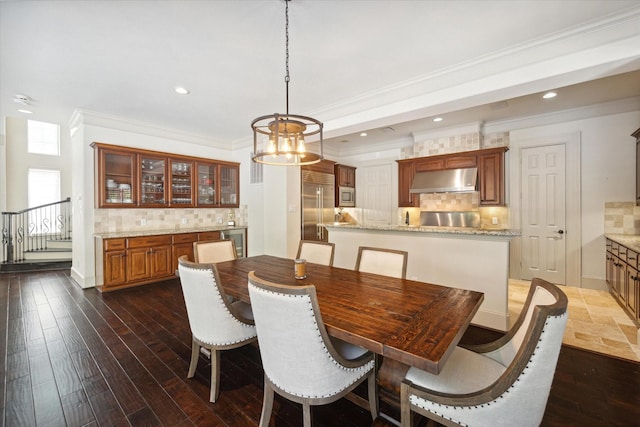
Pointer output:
x,y
43,138
43,187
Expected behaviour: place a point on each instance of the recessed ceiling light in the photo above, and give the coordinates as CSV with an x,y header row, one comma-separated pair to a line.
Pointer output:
x,y
363,134
181,90
437,119
25,111
549,95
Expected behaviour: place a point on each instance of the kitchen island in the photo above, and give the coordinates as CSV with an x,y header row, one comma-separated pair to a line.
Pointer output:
x,y
466,258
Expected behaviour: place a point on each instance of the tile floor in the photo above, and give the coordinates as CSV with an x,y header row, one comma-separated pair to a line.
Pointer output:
x,y
596,321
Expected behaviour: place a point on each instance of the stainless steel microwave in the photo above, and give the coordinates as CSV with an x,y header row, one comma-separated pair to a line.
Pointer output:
x,y
346,197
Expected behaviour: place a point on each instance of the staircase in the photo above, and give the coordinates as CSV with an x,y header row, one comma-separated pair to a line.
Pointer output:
x,y
37,238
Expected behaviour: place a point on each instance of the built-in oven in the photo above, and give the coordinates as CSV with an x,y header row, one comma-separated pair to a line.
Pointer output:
x,y
346,197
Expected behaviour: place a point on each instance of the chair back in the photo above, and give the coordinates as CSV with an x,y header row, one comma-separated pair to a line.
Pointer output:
x,y
214,251
316,252
211,317
529,351
297,354
387,262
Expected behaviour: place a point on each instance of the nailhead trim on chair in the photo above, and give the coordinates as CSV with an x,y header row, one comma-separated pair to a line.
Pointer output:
x,y
231,316
326,350
455,408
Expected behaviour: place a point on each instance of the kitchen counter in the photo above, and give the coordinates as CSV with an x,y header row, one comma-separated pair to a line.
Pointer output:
x,y
139,233
433,230
631,241
459,257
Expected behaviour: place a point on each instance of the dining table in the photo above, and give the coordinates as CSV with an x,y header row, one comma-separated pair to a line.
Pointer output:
x,y
407,322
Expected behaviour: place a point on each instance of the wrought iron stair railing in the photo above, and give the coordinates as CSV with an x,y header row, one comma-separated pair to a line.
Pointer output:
x,y
33,230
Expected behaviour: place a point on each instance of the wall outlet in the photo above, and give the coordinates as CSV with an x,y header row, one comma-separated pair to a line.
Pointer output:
x,y
219,220
183,220
494,220
143,221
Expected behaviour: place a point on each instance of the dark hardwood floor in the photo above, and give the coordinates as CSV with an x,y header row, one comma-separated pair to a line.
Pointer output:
x,y
74,357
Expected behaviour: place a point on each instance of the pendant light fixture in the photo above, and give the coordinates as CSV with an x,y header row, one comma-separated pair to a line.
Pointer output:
x,y
279,139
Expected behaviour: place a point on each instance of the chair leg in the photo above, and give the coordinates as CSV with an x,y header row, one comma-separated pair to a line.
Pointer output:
x,y
373,394
406,418
195,354
215,374
306,414
267,404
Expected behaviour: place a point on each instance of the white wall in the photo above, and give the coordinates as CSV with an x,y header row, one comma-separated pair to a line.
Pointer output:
x,y
19,160
607,174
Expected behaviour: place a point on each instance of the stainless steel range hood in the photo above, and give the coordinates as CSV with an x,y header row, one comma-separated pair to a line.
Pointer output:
x,y
445,181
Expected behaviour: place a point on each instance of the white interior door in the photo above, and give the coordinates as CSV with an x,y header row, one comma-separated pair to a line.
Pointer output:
x,y
375,183
543,213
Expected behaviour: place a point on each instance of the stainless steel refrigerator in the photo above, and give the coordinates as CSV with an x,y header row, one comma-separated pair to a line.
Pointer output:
x,y
318,202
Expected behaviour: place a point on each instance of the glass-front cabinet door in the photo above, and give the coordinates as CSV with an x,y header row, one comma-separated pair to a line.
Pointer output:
x,y
206,188
181,182
117,183
152,181
229,185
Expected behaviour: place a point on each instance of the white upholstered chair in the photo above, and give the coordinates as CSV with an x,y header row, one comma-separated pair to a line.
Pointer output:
x,y
215,323
214,251
388,262
316,252
503,383
301,362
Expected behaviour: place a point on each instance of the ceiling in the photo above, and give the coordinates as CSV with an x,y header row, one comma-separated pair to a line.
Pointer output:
x,y
385,67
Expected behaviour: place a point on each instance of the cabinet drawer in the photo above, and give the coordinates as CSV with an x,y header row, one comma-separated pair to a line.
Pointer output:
x,y
185,238
114,244
622,253
614,248
209,235
632,258
148,241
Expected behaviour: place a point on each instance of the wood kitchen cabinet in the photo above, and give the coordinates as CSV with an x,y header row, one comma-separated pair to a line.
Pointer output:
x,y
323,166
623,278
406,172
490,164
181,191
491,177
128,177
123,262
217,185
115,178
345,176
183,244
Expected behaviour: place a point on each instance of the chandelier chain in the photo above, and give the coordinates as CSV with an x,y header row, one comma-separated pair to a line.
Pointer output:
x,y
286,32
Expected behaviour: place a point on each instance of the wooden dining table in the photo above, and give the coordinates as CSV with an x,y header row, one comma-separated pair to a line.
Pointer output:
x,y
408,323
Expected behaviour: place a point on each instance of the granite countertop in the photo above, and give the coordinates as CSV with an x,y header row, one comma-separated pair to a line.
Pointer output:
x,y
631,241
433,230
139,233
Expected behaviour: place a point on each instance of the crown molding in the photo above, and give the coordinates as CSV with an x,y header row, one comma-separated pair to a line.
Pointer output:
x,y
92,118
596,49
597,110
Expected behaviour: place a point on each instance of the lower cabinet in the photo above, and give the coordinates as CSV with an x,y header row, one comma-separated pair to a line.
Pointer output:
x,y
623,277
130,261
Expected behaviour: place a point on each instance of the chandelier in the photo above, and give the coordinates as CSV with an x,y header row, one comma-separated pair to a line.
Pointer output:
x,y
279,139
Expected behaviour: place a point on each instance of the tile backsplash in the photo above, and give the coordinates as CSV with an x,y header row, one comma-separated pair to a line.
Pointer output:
x,y
621,218
121,220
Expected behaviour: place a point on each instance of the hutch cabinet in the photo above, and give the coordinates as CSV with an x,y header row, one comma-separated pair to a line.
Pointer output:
x,y
128,177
